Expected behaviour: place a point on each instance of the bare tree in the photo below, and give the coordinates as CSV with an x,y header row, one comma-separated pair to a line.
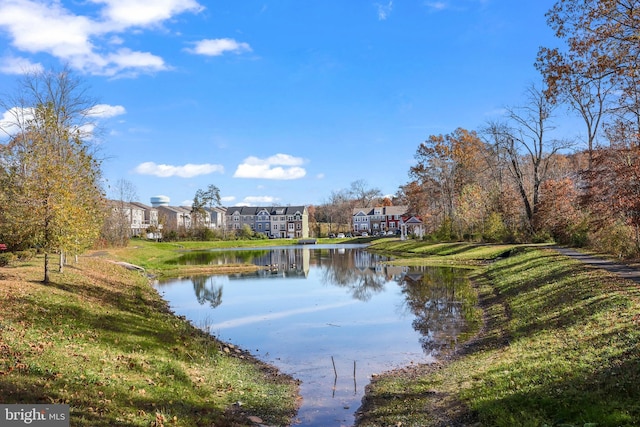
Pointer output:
x,y
530,151
362,195
584,86
339,208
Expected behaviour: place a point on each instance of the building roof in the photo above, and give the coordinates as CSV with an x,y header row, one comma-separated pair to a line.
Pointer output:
x,y
413,220
386,210
272,210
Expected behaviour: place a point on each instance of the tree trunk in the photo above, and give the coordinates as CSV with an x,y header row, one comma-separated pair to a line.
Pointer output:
x,y
46,268
62,262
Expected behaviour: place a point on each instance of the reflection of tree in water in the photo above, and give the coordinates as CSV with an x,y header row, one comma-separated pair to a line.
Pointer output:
x,y
433,295
207,290
352,269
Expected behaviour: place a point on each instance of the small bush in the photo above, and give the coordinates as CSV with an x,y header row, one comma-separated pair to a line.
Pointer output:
x,y
6,258
495,229
26,255
616,239
542,237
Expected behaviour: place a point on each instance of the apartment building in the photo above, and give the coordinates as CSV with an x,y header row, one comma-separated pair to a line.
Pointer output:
x,y
379,219
277,222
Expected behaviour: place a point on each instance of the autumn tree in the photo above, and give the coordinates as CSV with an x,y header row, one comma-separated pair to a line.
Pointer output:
x,y
313,220
602,45
50,174
559,212
612,191
530,150
445,165
416,194
581,84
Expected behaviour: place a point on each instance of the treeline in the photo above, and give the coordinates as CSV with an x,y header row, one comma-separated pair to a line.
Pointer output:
x,y
516,180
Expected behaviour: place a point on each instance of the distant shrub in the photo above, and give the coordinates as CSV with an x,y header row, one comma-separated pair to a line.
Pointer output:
x,y
6,258
579,234
26,255
495,229
542,237
616,239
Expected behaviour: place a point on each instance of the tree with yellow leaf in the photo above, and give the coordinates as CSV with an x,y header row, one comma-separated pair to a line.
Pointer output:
x,y
51,197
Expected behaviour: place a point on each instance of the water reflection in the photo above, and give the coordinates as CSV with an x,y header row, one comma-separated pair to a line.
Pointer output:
x,y
361,273
432,296
207,289
330,316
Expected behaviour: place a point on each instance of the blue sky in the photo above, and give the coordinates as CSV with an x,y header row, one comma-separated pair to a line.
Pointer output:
x,y
278,102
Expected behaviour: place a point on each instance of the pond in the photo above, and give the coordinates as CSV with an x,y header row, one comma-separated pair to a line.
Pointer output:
x,y
331,316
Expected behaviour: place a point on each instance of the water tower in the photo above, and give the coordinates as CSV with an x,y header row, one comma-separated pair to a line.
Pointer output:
x,y
157,201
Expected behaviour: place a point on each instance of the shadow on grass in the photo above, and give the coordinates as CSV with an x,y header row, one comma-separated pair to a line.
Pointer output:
x,y
560,346
606,396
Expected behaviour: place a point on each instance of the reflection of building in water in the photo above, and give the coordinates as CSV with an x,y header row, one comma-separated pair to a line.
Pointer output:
x,y
283,263
366,261
393,272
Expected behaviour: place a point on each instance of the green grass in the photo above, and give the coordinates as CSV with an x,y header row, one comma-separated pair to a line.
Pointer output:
x,y
561,347
416,252
100,339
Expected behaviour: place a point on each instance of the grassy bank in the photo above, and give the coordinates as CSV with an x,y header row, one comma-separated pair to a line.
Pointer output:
x,y
156,258
560,347
416,252
100,339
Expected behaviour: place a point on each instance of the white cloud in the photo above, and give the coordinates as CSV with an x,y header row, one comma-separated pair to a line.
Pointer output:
x,y
126,59
260,200
271,168
143,13
457,6
217,47
437,5
16,118
384,10
87,42
107,111
15,65
13,119
38,27
227,198
186,171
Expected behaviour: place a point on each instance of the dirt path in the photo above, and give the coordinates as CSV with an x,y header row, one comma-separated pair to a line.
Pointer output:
x,y
622,270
